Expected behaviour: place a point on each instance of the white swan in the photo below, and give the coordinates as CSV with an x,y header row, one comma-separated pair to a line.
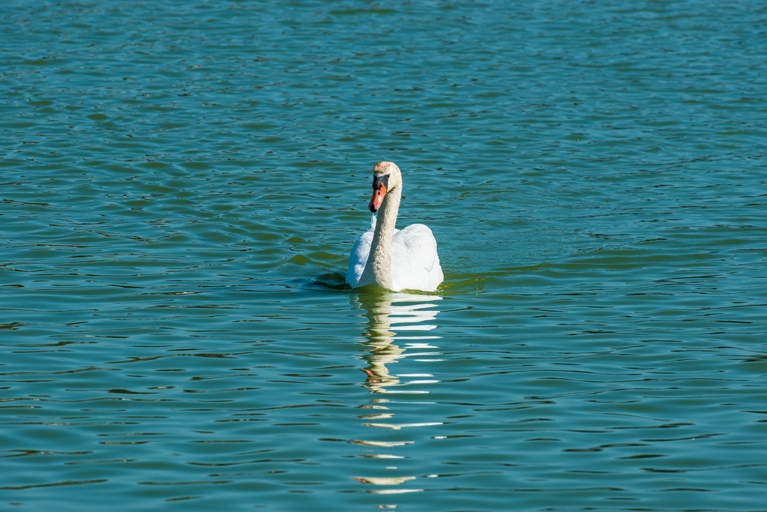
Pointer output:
x,y
391,258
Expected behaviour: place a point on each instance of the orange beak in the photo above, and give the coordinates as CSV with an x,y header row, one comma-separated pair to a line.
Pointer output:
x,y
378,197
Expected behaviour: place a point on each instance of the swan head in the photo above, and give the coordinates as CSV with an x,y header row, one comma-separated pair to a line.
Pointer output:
x,y
386,177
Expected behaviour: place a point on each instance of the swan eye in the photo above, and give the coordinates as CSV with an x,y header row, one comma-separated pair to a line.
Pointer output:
x,y
381,180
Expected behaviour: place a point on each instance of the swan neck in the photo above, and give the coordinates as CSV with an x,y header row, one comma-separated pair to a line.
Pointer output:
x,y
379,260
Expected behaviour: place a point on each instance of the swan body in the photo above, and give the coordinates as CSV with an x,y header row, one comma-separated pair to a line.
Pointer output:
x,y
384,256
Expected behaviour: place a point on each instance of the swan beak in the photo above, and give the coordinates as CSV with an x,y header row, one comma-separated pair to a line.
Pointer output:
x,y
378,197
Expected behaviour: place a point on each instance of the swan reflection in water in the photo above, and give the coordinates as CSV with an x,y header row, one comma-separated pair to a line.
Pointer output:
x,y
400,326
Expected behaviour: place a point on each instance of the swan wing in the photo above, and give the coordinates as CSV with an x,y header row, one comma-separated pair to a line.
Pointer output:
x,y
359,257
415,262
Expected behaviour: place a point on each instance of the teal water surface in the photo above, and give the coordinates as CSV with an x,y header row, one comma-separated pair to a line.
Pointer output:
x,y
181,185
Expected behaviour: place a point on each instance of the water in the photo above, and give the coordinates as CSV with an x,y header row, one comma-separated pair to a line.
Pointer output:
x,y
182,183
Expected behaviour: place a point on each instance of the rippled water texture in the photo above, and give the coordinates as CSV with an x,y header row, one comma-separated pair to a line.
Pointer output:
x,y
182,182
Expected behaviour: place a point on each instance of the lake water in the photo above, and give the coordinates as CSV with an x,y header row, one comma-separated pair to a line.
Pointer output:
x,y
182,183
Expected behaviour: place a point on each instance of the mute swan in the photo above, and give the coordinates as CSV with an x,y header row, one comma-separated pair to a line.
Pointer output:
x,y
388,257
